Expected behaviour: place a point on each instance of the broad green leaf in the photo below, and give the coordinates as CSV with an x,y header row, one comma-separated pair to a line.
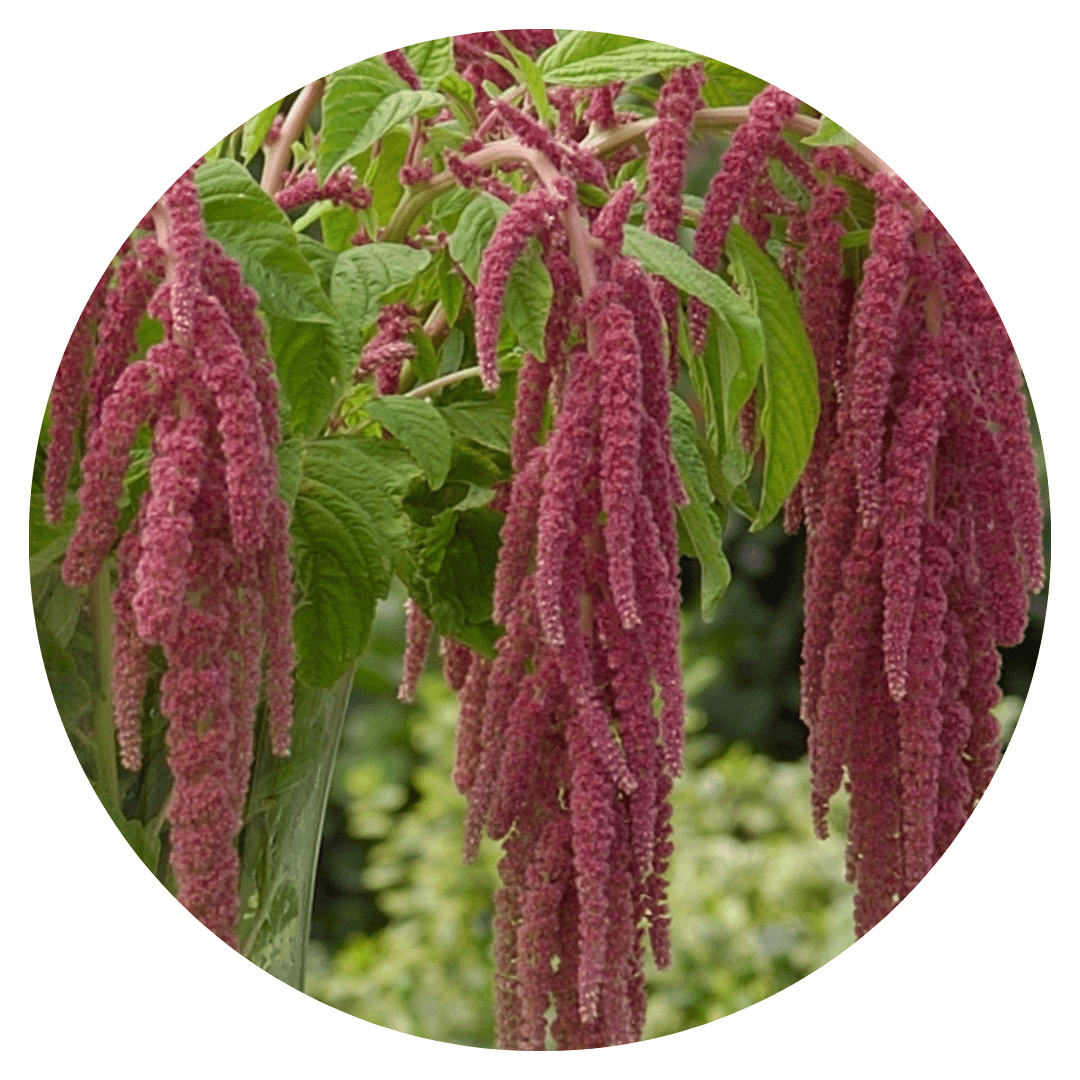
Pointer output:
x,y
421,429
339,225
312,370
348,527
352,95
788,417
528,301
726,85
475,226
383,116
454,574
671,262
255,131
829,133
362,276
431,60
485,422
699,519
584,58
385,182
250,227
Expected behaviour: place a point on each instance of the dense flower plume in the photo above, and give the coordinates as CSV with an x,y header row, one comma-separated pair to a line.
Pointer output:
x,y
923,539
560,750
203,571
920,495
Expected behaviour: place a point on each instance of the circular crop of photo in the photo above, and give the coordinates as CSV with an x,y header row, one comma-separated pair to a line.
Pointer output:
x,y
539,539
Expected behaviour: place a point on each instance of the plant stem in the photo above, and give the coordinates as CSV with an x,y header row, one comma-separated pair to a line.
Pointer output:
x,y
108,784
433,387
281,151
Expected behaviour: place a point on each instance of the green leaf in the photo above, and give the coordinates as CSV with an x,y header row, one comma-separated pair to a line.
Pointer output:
x,y
352,95
788,417
366,107
347,527
670,261
528,301
70,692
475,226
699,519
485,422
49,542
312,214
421,429
727,85
584,58
451,290
455,574
255,131
362,276
529,73
453,348
250,227
432,60
829,133
312,370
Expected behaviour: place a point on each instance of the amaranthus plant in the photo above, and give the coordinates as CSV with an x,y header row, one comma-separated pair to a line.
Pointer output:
x,y
450,315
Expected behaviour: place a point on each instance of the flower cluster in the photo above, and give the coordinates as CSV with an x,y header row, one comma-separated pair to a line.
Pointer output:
x,y
203,572
923,539
340,188
560,749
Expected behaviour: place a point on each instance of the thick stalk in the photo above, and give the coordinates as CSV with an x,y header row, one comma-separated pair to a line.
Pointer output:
x,y
278,156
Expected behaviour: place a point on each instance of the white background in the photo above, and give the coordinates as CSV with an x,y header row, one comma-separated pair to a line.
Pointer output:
x,y
105,104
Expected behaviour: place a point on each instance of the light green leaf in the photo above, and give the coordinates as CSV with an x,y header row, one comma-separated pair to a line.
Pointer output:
x,y
312,214
432,60
250,227
528,301
584,58
371,116
485,422
699,519
255,131
726,85
362,276
829,133
788,417
421,429
475,226
671,262
352,95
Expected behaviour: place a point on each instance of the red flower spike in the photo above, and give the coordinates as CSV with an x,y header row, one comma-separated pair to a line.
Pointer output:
x,y
398,62
66,402
418,629
743,160
456,659
131,657
530,214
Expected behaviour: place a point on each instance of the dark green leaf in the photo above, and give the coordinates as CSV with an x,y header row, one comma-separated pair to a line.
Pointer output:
x,y
421,429
70,692
528,301
347,529
250,227
788,417
475,226
699,519
584,58
453,348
